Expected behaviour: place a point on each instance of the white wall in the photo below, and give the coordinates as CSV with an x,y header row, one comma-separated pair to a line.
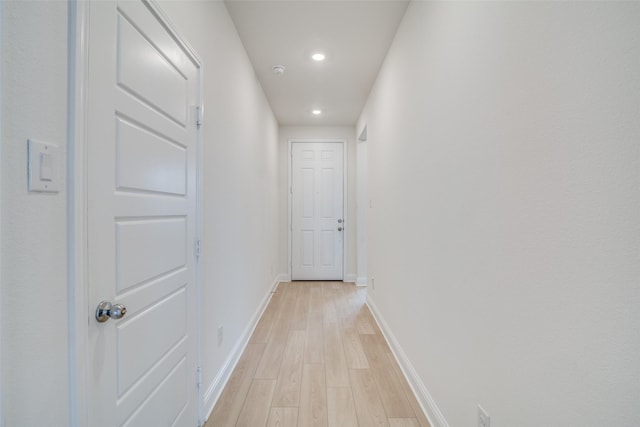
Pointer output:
x,y
241,190
362,204
504,238
2,419
240,236
346,133
33,246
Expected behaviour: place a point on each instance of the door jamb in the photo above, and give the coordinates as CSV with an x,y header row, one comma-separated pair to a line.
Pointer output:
x,y
77,206
345,197
78,327
2,422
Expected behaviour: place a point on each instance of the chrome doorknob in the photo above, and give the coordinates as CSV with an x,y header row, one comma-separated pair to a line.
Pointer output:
x,y
339,228
106,311
340,221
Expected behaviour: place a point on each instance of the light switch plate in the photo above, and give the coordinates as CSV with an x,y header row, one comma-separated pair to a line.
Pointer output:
x,y
43,167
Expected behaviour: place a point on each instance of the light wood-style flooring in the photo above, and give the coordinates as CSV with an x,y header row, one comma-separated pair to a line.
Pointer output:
x,y
317,358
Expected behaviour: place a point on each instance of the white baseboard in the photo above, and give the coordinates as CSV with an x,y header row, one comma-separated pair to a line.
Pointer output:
x,y
349,278
214,390
362,281
428,405
284,277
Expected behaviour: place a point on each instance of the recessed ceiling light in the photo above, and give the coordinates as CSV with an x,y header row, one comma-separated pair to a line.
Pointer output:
x,y
318,56
278,70
316,112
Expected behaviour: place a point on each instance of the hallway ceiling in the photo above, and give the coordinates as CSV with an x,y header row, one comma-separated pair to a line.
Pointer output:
x,y
353,34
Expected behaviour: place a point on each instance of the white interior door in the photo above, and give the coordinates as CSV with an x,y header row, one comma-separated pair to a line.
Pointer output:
x,y
141,222
317,206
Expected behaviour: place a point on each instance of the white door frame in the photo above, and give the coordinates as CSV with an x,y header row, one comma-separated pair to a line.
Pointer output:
x,y
345,197
1,195
80,311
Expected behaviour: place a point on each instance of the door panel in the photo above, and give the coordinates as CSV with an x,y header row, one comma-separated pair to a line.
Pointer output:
x,y
163,325
328,244
148,249
316,209
161,407
148,161
327,185
143,70
308,247
308,193
141,218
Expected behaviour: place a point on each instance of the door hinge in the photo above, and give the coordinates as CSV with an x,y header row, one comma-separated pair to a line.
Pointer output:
x,y
198,376
198,117
291,190
196,248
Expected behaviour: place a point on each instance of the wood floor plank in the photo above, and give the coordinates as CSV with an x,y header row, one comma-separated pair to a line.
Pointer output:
x,y
328,306
264,326
257,404
403,422
269,365
270,362
290,294
382,342
365,322
317,358
344,308
335,362
301,309
391,388
283,417
315,299
366,399
356,358
287,392
283,319
314,346
227,408
340,407
417,410
313,397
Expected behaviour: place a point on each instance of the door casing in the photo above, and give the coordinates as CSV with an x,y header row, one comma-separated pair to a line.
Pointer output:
x,y
345,206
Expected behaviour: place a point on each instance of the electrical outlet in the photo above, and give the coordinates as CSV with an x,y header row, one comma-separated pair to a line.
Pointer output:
x,y
220,335
484,420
